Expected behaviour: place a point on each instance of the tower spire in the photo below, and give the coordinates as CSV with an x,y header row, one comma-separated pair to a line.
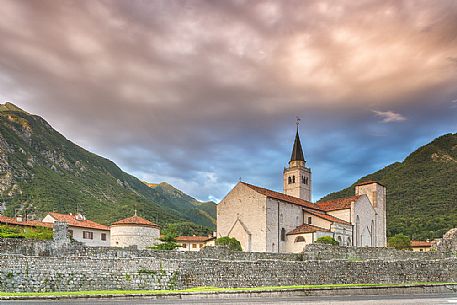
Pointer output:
x,y
297,151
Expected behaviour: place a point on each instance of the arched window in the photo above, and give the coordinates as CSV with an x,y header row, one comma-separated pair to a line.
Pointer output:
x,y
293,179
340,241
358,234
348,242
283,234
290,180
305,180
299,239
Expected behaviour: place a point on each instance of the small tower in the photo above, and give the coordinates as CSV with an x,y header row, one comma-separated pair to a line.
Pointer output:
x,y
297,177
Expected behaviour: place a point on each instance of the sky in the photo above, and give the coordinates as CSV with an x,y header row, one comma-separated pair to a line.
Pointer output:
x,y
201,94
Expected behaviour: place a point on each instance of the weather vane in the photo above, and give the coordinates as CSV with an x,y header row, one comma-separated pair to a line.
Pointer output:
x,y
298,121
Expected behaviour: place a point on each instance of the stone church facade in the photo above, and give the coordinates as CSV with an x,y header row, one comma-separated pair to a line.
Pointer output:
x,y
267,221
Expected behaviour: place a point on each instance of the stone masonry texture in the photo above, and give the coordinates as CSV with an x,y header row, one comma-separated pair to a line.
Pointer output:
x,y
44,266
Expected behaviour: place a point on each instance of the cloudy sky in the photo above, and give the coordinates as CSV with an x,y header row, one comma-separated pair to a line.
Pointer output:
x,y
201,93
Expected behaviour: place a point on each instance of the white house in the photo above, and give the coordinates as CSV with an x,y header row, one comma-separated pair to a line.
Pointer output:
x,y
86,231
194,243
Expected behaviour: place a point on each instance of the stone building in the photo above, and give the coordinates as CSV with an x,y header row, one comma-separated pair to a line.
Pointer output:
x,y
267,221
90,233
134,231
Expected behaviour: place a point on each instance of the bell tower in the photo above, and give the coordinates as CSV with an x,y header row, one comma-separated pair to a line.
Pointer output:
x,y
297,177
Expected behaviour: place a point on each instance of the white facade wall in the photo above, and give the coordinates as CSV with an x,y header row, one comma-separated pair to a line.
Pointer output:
x,y
377,195
242,215
194,245
342,233
363,219
134,235
341,214
281,216
316,221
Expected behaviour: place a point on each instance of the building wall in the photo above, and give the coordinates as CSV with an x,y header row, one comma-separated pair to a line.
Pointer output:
x,y
281,215
341,214
377,195
317,221
363,219
342,233
134,235
421,249
242,215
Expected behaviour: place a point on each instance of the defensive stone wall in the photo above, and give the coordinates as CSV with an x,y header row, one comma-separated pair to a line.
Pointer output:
x,y
41,266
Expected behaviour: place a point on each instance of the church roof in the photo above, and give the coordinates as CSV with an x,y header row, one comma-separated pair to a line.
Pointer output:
x,y
135,220
281,196
338,204
297,152
322,215
305,228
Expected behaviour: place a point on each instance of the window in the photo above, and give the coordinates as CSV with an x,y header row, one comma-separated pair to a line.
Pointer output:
x,y
340,241
310,220
299,239
283,234
88,235
289,180
194,246
293,179
201,245
305,180
421,250
103,236
184,245
70,233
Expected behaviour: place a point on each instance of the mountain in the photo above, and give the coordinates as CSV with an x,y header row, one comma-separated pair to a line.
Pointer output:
x,y
42,171
421,190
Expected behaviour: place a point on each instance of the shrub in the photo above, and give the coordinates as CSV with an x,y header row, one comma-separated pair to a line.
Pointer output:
x,y
168,242
229,242
399,242
327,240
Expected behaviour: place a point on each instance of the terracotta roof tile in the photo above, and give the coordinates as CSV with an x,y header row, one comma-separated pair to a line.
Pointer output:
x,y
28,223
135,220
420,243
72,221
322,215
194,238
305,228
281,196
337,204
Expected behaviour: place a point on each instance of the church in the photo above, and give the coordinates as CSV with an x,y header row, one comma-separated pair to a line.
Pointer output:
x,y
267,221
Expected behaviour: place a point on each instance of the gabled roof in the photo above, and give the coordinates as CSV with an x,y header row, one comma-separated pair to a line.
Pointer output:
x,y
305,228
420,243
281,196
28,223
135,220
194,238
338,204
322,215
297,151
72,221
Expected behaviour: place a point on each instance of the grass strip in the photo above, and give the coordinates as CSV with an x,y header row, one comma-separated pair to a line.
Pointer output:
x,y
204,290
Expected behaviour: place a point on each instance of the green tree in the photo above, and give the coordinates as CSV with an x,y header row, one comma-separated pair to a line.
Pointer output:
x,y
399,242
327,240
168,242
229,242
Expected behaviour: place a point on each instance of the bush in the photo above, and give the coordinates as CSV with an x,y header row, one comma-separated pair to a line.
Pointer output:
x,y
229,242
399,242
327,240
168,243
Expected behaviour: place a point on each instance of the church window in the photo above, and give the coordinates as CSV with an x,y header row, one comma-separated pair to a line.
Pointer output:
x,y
283,234
290,180
309,220
305,180
299,239
293,179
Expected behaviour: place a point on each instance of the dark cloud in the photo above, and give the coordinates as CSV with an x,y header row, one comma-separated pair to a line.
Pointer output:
x,y
200,93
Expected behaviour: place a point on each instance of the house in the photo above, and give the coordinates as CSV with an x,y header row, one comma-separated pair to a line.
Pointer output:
x,y
264,220
421,246
134,231
86,231
20,222
194,243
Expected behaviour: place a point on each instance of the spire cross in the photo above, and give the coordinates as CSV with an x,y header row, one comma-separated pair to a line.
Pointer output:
x,y
298,121
135,213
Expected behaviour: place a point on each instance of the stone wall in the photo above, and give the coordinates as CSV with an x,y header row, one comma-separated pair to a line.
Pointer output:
x,y
39,266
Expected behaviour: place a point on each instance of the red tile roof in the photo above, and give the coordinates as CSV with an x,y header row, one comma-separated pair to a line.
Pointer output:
x,y
337,204
194,238
369,182
281,196
305,228
420,243
72,221
322,215
135,220
28,223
